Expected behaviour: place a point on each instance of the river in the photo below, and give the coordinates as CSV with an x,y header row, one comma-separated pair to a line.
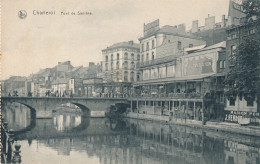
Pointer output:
x,y
71,137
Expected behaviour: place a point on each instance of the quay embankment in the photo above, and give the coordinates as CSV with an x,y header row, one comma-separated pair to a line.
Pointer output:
x,y
209,125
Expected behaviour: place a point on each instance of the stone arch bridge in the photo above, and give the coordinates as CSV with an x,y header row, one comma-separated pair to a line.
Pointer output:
x,y
43,106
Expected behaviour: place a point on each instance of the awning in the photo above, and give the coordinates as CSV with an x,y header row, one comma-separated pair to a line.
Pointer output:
x,y
173,79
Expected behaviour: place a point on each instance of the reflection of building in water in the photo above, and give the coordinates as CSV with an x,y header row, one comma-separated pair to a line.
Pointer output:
x,y
17,115
155,143
63,146
64,122
240,153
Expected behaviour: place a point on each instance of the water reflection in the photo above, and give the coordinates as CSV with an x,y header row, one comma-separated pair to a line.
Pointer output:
x,y
65,122
70,137
18,116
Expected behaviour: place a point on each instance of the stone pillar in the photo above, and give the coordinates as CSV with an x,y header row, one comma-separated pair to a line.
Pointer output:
x,y
202,114
194,111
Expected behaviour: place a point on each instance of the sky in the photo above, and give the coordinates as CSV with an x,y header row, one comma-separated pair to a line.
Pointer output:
x,y
41,41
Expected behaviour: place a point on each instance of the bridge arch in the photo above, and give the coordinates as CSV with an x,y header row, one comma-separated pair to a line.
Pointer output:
x,y
43,106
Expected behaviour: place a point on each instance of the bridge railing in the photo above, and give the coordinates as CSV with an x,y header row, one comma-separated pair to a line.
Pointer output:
x,y
10,153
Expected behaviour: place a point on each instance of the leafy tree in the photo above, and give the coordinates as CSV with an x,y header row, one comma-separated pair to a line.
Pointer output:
x,y
244,76
252,8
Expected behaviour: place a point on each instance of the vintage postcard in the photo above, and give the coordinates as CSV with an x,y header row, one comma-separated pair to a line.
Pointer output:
x,y
130,81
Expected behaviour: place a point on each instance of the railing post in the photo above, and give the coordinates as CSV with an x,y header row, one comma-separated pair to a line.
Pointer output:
x,y
4,136
17,156
10,144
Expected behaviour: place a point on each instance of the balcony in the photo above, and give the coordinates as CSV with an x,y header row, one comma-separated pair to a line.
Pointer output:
x,y
169,95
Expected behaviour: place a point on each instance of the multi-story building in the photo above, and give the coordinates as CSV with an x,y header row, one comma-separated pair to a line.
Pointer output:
x,y
188,86
119,67
166,41
241,106
14,86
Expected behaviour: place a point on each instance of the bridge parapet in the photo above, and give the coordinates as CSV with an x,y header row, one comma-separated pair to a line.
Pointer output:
x,y
43,106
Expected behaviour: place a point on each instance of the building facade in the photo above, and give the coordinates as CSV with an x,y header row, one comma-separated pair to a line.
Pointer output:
x,y
119,67
243,107
189,86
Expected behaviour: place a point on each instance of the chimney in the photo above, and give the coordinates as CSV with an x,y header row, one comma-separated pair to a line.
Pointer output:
x,y
223,21
90,64
131,42
181,28
195,26
210,23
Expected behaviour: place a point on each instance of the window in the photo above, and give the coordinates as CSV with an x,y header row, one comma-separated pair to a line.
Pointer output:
x,y
132,57
232,101
152,44
125,76
147,46
138,58
179,45
132,65
117,65
142,58
250,102
138,76
220,64
125,65
132,76
117,56
190,45
224,64
112,65
221,98
251,31
152,55
106,58
106,66
111,57
233,52
117,76
126,56
233,36
147,57
142,47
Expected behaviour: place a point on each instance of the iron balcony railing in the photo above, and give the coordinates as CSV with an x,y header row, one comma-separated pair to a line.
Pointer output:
x,y
170,95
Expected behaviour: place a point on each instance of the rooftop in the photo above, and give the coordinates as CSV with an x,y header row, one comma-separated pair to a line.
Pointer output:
x,y
129,44
171,30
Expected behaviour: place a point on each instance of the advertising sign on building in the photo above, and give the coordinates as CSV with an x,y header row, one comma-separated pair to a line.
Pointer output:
x,y
236,10
199,65
151,27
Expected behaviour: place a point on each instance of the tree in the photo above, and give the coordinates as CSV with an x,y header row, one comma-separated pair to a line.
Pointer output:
x,y
252,8
243,78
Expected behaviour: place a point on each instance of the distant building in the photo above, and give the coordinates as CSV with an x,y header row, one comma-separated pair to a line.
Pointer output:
x,y
76,87
93,87
60,87
119,67
14,86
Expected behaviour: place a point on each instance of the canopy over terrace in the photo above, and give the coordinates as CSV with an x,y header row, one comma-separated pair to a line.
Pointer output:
x,y
174,79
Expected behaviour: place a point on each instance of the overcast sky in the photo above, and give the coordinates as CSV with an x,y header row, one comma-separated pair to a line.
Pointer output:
x,y
42,41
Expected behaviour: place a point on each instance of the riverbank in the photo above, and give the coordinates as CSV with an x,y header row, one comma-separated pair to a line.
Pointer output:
x,y
214,126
